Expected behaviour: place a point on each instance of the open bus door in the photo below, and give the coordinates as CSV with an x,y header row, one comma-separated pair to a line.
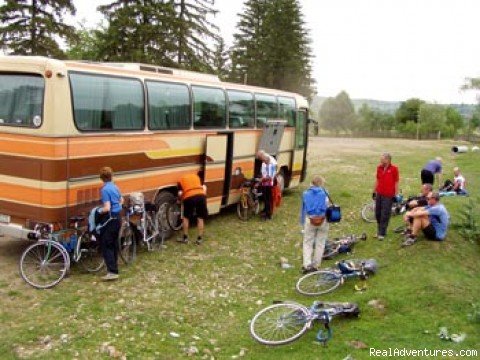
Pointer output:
x,y
218,170
299,158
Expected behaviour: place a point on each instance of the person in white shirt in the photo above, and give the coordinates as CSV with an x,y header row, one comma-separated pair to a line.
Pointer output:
x,y
269,171
459,182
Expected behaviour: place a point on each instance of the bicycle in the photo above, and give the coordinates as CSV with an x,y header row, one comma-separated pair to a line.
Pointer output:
x,y
342,245
45,263
325,281
249,203
284,322
140,223
368,210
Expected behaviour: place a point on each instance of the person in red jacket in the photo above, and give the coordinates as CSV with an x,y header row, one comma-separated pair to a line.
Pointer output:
x,y
385,192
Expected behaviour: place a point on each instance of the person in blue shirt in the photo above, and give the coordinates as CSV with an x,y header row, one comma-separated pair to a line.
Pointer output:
x,y
432,219
430,170
112,202
315,226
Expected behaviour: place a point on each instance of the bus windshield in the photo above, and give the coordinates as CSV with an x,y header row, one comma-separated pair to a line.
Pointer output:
x,y
21,99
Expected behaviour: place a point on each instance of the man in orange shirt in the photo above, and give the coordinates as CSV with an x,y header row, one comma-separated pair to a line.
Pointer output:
x,y
194,197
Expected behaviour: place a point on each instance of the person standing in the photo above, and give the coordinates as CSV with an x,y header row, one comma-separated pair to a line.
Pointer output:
x,y
315,225
432,168
112,202
384,193
268,171
194,197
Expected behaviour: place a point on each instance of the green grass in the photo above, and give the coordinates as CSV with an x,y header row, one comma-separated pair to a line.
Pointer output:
x,y
207,294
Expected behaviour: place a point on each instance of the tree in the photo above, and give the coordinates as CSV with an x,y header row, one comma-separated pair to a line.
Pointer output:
x,y
272,47
193,30
30,27
221,60
138,31
85,46
408,111
373,120
432,118
338,113
454,119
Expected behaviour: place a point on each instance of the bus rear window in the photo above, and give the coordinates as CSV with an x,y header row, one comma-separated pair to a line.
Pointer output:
x,y
107,103
21,99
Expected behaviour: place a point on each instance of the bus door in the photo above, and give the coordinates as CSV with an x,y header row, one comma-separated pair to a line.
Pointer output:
x,y
218,169
299,158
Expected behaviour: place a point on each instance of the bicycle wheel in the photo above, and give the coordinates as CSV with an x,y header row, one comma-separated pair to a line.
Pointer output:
x,y
88,253
127,244
44,264
368,212
174,216
318,282
153,233
244,208
279,324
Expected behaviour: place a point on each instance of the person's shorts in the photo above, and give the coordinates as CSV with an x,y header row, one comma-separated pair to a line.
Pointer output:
x,y
195,206
430,232
427,177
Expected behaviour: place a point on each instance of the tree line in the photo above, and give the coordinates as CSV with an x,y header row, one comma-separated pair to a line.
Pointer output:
x,y
414,117
271,44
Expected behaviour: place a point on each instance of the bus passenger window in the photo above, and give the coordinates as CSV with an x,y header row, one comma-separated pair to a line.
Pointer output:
x,y
286,109
209,107
107,103
267,108
241,109
168,106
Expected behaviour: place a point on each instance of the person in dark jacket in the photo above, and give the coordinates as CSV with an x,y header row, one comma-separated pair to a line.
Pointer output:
x,y
315,226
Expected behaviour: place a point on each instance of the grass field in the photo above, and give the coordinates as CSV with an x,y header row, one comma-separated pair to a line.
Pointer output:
x,y
207,294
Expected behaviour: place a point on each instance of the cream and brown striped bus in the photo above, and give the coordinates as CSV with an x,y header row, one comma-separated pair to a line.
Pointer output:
x,y
61,121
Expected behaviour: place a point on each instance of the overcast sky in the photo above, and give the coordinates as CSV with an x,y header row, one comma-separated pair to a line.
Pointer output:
x,y
378,49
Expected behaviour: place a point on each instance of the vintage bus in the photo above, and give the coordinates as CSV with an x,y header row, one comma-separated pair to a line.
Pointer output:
x,y
61,121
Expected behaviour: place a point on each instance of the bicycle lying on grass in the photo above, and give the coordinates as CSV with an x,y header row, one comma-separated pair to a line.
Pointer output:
x,y
368,210
284,322
325,281
342,245
45,263
249,203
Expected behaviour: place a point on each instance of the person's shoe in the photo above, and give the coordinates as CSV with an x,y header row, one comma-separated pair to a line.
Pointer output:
x,y
199,241
183,240
309,269
380,237
409,242
110,276
406,232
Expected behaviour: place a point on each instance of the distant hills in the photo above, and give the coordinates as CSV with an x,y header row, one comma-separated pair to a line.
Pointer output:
x,y
466,110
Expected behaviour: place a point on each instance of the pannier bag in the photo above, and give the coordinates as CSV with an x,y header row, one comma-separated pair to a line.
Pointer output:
x,y
334,212
136,202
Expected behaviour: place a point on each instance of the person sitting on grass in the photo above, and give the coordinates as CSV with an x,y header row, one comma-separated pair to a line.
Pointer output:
x,y
459,182
455,187
432,219
420,200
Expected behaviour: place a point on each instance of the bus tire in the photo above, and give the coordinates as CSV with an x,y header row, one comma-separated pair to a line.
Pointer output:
x,y
163,201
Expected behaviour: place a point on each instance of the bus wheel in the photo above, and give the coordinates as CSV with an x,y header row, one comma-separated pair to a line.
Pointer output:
x,y
281,180
163,202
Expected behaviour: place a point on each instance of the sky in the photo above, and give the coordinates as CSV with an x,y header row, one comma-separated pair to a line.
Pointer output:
x,y
376,49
